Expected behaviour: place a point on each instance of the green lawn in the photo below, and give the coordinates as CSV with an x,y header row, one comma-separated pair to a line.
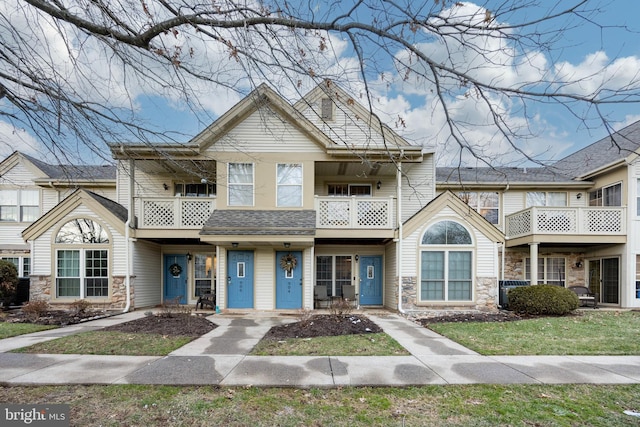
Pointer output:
x,y
379,344
110,342
8,329
460,405
585,333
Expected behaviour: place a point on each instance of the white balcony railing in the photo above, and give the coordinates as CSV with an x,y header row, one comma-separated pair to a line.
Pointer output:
x,y
354,212
592,220
174,212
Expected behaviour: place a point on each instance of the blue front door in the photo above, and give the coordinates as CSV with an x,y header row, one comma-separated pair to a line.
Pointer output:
x,y
288,280
371,280
175,278
240,279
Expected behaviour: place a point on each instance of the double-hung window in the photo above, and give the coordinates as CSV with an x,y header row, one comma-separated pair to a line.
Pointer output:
x,y
19,205
486,204
446,263
546,198
606,196
82,260
289,182
241,181
550,270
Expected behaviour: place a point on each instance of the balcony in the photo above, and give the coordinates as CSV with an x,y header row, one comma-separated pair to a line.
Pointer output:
x,y
355,213
602,224
174,212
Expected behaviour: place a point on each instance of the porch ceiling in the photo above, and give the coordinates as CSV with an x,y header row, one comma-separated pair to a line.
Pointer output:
x,y
353,169
182,168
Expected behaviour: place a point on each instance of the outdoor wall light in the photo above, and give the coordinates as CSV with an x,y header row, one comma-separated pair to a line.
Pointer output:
x,y
579,264
579,196
357,258
287,244
234,244
165,186
188,256
379,184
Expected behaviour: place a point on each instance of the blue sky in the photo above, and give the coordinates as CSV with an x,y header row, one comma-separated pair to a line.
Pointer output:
x,y
583,50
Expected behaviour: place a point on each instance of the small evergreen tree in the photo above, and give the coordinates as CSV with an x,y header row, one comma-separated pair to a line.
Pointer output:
x,y
8,282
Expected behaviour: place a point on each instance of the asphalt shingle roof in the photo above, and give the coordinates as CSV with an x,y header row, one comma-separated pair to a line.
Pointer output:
x,y
114,207
487,175
74,172
262,222
602,152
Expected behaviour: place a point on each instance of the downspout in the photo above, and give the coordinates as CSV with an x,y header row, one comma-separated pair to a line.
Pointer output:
x,y
399,250
127,238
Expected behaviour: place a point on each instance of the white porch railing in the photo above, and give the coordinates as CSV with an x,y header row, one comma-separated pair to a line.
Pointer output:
x,y
354,212
592,220
174,212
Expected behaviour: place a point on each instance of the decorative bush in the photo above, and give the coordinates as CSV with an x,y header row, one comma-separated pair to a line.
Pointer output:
x,y
543,300
34,309
8,282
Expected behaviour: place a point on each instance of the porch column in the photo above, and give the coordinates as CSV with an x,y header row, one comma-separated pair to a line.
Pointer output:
x,y
533,256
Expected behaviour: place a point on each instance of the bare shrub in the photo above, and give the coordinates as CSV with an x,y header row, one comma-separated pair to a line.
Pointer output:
x,y
35,309
172,308
304,316
341,307
80,306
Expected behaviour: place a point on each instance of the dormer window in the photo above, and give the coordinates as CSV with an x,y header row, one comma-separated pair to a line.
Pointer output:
x,y
326,112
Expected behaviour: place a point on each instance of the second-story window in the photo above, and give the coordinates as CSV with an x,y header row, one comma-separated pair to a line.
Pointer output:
x,y
289,185
486,204
546,198
19,205
606,196
361,190
240,184
195,190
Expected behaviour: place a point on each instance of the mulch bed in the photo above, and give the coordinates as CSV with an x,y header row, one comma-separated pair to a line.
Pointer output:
x,y
501,316
55,317
323,325
175,325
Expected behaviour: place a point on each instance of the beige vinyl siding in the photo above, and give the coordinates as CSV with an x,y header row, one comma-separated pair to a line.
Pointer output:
x,y
264,132
18,176
390,279
49,199
122,183
221,283
264,279
150,185
147,269
307,279
11,234
513,201
418,187
345,127
486,256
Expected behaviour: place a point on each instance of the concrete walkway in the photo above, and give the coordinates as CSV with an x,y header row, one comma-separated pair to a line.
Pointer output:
x,y
220,358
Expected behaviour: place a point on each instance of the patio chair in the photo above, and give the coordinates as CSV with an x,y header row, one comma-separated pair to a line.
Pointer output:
x,y
585,295
349,294
206,298
319,295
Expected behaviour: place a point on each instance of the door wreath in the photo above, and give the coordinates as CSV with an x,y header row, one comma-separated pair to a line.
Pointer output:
x,y
175,270
288,263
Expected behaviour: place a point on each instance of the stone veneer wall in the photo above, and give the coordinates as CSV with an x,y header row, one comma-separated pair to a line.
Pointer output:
x,y
486,292
40,289
575,276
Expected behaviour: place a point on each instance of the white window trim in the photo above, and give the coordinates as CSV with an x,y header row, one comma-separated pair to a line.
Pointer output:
x,y
253,183
446,249
301,185
82,270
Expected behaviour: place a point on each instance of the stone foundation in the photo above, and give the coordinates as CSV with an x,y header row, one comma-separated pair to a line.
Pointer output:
x,y
575,276
486,294
41,288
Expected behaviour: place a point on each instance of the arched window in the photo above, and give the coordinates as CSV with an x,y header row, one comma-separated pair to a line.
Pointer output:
x,y
82,259
446,263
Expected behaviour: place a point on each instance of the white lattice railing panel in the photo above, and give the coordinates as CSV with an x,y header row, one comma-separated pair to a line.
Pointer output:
x,y
579,220
519,224
604,221
556,221
195,212
373,213
158,213
176,212
354,212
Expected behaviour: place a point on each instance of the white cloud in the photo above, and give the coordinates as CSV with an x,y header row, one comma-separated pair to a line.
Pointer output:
x,y
12,139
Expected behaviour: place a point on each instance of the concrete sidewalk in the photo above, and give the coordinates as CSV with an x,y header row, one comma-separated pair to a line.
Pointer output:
x,y
220,358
